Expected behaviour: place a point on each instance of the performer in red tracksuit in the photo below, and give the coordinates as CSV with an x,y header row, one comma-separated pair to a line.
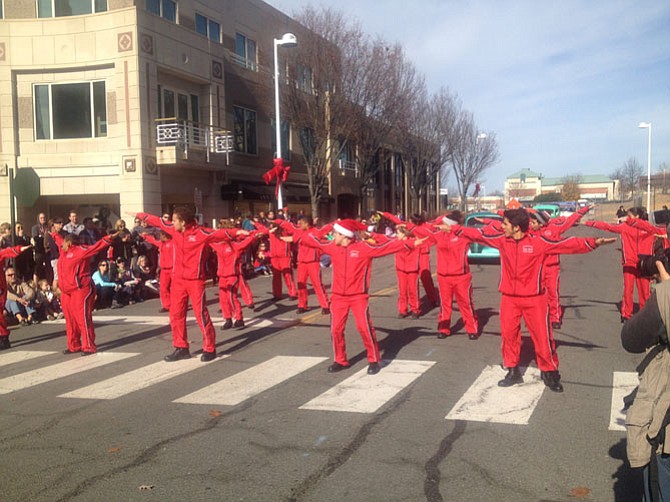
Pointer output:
x,y
190,242
280,262
229,270
78,291
309,265
454,278
352,263
165,263
634,242
553,229
420,228
407,266
11,252
522,257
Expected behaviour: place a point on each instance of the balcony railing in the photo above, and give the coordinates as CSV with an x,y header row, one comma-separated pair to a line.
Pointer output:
x,y
348,167
249,64
189,135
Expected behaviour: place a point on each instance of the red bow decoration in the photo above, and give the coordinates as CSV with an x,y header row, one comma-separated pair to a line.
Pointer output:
x,y
279,172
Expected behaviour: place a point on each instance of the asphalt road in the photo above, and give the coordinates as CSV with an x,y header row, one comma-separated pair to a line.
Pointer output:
x,y
59,442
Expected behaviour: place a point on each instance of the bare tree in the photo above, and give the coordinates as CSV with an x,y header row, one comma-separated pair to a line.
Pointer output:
x,y
470,156
629,177
664,169
571,190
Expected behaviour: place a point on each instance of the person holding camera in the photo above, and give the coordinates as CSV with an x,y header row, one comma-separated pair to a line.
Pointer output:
x,y
635,240
648,416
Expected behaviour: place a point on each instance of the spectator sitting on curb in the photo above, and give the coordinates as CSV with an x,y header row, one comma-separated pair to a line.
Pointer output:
x,y
20,299
46,301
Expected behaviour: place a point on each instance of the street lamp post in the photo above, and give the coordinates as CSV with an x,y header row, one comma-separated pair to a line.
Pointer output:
x,y
647,125
287,40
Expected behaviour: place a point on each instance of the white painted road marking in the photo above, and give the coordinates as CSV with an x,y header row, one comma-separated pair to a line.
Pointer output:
x,y
623,383
484,401
241,386
74,364
255,322
136,379
363,393
17,356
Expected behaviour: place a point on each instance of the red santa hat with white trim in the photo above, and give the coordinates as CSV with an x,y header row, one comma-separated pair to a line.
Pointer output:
x,y
348,227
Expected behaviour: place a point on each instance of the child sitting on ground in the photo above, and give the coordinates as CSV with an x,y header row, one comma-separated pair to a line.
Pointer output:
x,y
47,301
262,261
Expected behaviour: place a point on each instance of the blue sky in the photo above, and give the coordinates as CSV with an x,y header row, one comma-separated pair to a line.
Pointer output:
x,y
563,84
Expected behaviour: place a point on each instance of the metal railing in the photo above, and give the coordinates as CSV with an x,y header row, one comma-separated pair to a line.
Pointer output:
x,y
347,166
244,62
193,135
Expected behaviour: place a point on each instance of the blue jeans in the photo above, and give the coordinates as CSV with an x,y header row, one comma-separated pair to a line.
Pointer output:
x,y
663,462
15,308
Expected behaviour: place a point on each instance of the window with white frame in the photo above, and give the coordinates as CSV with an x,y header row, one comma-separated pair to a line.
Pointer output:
x,y
62,8
64,111
244,130
2,15
245,51
208,28
304,79
164,8
285,139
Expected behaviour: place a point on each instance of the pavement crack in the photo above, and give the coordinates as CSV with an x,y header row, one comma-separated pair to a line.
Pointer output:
x,y
431,485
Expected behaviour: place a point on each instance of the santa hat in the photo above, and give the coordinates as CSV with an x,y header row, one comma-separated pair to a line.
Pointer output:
x,y
448,221
348,228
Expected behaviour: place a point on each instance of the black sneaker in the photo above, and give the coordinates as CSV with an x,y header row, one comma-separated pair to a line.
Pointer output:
x,y
373,368
325,311
4,343
442,336
402,315
68,351
162,310
251,306
415,315
177,355
207,356
335,367
473,336
239,323
556,325
513,377
228,324
301,310
552,379
85,353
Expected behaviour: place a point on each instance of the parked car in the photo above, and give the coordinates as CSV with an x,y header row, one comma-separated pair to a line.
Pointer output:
x,y
480,252
554,210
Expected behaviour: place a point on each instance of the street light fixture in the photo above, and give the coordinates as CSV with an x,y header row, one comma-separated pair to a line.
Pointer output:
x,y
647,125
480,136
287,40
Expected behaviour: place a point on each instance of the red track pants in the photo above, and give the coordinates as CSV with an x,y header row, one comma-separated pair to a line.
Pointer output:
x,y
339,309
535,312
166,283
3,321
408,292
281,267
78,311
245,291
459,286
631,278
311,271
552,285
228,300
181,291
427,278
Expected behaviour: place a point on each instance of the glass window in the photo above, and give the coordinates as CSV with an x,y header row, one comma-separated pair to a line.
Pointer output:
x,y
285,139
168,104
304,81
308,141
62,8
245,49
154,6
182,106
244,130
214,31
208,28
163,8
64,111
1,14
201,24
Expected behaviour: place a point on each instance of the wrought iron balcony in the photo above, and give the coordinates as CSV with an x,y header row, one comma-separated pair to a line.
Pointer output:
x,y
190,136
348,167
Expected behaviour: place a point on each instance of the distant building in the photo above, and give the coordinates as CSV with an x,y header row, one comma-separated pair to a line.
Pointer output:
x,y
525,185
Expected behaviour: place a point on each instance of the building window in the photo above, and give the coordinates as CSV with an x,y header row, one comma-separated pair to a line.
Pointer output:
x,y
304,80
2,16
64,111
245,51
244,130
308,142
285,139
208,28
164,8
61,8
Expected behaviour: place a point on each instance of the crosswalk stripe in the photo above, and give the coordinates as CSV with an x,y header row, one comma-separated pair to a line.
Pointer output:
x,y
485,401
17,356
623,383
256,322
135,380
73,365
248,383
363,393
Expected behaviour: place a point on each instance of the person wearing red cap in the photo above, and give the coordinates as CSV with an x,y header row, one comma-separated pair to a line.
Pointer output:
x,y
188,278
635,241
10,252
352,263
542,224
522,256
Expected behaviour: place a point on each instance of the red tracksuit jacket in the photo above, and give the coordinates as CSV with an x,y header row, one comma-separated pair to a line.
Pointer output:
x,y
229,254
190,250
522,260
306,254
557,227
74,271
634,241
352,264
165,251
452,253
